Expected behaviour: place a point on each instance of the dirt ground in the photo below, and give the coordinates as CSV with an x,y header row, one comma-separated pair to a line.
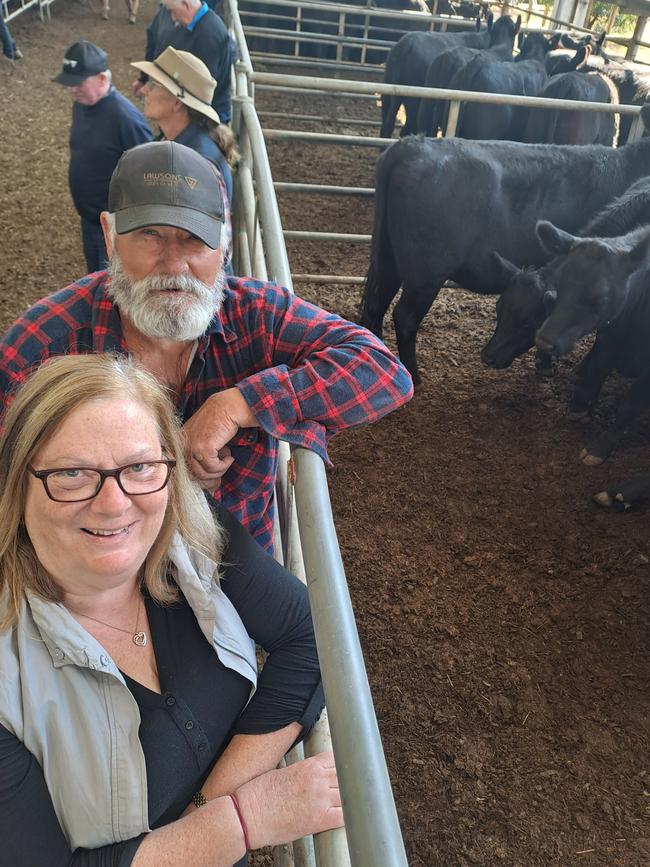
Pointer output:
x,y
503,615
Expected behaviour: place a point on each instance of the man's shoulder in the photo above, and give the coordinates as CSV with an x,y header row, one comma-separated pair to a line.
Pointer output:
x,y
242,293
213,24
119,105
56,316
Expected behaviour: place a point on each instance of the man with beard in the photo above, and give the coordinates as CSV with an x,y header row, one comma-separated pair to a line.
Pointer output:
x,y
248,362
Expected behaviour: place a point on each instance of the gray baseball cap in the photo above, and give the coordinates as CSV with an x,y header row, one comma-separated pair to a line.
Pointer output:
x,y
167,184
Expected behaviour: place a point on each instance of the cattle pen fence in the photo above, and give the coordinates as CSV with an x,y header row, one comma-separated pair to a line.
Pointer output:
x,y
306,542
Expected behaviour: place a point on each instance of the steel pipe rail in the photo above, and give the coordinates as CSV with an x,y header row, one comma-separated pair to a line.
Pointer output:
x,y
372,828
315,118
326,138
281,89
336,237
326,189
322,38
373,832
441,93
335,65
372,12
328,279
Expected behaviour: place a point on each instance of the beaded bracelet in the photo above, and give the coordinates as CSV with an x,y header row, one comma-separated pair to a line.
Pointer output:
x,y
242,821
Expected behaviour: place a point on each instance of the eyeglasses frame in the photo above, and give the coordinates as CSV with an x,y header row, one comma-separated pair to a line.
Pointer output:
x,y
103,475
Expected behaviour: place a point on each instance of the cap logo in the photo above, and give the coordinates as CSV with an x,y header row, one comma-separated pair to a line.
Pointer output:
x,y
191,182
160,179
70,63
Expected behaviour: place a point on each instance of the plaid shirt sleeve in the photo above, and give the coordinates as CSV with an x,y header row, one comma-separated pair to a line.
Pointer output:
x,y
324,374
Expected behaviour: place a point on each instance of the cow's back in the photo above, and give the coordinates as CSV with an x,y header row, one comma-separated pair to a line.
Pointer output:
x,y
454,201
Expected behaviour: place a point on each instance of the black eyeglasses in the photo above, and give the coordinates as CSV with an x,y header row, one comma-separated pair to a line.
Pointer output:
x,y
76,484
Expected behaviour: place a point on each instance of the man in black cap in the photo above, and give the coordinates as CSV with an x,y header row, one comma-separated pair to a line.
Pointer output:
x,y
247,362
104,125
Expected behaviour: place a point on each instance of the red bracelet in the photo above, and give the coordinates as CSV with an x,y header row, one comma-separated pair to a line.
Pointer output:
x,y
242,821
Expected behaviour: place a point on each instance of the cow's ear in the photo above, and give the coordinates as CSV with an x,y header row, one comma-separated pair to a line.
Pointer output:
x,y
518,24
520,40
553,42
552,239
548,299
600,40
504,270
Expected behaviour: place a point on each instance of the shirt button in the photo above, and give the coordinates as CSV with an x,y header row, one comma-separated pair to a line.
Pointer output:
x,y
189,725
59,654
170,701
103,659
202,746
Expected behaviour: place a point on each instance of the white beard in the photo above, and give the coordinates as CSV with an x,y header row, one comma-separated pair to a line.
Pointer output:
x,y
175,308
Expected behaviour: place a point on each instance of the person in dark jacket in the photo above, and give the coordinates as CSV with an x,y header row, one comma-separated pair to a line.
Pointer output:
x,y
104,125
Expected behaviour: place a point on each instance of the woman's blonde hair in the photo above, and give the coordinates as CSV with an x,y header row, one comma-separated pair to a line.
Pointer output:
x,y
41,404
220,133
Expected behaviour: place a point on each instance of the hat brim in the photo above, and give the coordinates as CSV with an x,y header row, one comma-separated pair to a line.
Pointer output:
x,y
172,86
207,228
69,80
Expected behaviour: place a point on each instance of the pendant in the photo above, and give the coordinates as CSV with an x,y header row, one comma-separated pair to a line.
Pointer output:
x,y
140,639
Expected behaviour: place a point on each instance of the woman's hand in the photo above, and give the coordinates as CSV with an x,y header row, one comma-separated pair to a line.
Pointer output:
x,y
289,803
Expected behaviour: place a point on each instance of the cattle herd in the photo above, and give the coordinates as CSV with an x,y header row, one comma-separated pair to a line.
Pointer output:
x,y
548,209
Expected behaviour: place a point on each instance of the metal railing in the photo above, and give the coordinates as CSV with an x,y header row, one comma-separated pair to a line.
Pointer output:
x,y
372,837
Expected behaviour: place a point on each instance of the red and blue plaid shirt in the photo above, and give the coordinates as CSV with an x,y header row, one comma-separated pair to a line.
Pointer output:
x,y
306,374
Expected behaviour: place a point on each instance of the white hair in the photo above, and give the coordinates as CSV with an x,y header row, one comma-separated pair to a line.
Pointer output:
x,y
178,307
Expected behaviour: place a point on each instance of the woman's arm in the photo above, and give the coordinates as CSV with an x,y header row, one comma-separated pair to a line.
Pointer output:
x,y
275,609
278,807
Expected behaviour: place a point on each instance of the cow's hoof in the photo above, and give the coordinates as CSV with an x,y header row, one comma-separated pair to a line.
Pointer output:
x,y
581,415
621,503
603,499
545,371
590,460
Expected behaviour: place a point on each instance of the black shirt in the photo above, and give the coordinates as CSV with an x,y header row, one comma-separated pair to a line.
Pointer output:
x,y
187,727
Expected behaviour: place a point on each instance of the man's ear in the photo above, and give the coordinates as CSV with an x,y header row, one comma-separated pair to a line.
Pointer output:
x,y
108,235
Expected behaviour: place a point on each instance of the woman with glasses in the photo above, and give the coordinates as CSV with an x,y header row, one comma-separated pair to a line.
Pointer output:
x,y
134,729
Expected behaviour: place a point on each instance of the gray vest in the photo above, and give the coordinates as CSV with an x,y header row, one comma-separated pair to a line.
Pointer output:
x,y
62,695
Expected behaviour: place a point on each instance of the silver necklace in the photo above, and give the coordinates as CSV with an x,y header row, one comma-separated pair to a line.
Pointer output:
x,y
138,637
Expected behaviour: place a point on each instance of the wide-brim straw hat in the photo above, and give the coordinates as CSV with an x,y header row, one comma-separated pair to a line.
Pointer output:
x,y
184,76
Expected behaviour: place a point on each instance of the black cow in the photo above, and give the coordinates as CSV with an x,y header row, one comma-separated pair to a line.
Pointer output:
x,y
601,285
526,300
442,206
554,126
633,86
407,64
632,80
431,114
484,74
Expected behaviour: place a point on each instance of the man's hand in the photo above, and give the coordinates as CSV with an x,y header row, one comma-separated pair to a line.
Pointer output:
x,y
210,430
